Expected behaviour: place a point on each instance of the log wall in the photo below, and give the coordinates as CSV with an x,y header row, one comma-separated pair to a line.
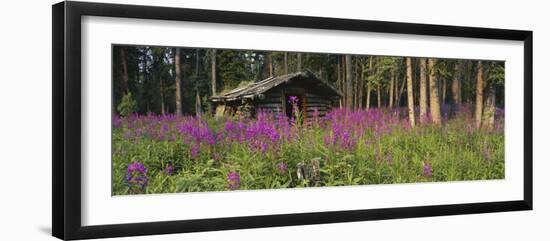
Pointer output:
x,y
276,104
321,103
272,103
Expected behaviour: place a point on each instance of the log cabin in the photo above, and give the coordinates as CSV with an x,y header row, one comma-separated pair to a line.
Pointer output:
x,y
273,94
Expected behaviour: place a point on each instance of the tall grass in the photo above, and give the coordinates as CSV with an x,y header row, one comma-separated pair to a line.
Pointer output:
x,y
345,147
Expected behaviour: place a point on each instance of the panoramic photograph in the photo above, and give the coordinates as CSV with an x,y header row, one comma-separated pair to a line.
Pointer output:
x,y
188,119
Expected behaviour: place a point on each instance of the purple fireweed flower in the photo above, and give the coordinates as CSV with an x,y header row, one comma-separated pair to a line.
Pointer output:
x,y
293,100
281,168
165,128
427,169
316,112
138,132
347,142
229,126
316,115
233,180
195,134
262,135
195,150
235,132
117,121
136,177
169,169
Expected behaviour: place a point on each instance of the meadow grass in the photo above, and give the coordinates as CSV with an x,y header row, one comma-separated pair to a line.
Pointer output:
x,y
346,147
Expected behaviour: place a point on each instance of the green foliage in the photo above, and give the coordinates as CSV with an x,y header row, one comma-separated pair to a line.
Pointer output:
x,y
150,74
444,68
496,73
453,153
234,68
127,106
383,69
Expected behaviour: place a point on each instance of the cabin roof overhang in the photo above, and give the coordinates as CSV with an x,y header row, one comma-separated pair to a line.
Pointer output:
x,y
257,89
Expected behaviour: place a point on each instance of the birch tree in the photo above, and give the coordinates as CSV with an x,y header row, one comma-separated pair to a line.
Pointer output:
x,y
410,97
435,109
423,95
177,63
479,94
349,82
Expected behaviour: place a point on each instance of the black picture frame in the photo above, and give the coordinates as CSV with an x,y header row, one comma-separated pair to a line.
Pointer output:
x,y
66,165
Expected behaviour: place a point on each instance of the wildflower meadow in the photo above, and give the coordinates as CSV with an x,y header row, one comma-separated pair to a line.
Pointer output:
x,y
170,154
188,119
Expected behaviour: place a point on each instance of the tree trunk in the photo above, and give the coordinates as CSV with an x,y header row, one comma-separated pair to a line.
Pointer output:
x,y
479,94
489,106
158,56
402,88
299,60
343,80
285,60
443,91
455,87
435,109
349,82
339,81
213,69
369,89
396,90
198,106
379,95
369,84
197,63
270,61
161,83
268,67
356,86
361,86
392,80
410,97
468,66
423,95
125,77
145,75
177,63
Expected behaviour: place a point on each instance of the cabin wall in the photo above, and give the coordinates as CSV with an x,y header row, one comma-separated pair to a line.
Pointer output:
x,y
272,102
245,109
323,104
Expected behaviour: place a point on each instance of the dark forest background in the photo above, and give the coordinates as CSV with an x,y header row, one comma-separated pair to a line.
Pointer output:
x,y
180,80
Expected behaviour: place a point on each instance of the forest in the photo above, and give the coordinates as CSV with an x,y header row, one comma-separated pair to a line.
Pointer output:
x,y
398,120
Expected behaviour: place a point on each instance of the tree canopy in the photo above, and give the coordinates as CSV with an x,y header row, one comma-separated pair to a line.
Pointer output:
x,y
145,78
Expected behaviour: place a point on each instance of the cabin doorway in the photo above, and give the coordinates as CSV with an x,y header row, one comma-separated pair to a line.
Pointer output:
x,y
293,102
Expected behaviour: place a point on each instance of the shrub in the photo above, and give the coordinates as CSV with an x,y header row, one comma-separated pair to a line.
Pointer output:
x,y
127,106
